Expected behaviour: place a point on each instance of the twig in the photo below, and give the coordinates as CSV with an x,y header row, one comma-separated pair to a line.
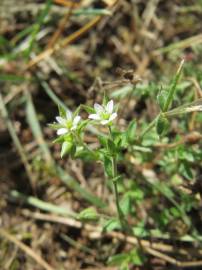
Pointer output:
x,y
26,249
61,27
174,261
96,231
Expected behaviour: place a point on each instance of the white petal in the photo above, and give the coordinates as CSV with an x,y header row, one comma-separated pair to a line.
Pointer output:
x,y
73,127
94,117
61,120
68,115
76,120
98,108
110,106
113,116
104,122
62,131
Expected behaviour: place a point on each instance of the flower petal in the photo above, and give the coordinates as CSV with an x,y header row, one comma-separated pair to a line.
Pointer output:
x,y
104,122
62,131
76,120
110,106
73,127
60,120
112,117
98,108
69,115
94,117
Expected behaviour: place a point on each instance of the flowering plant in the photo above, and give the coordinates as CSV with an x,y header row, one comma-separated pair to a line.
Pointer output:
x,y
104,114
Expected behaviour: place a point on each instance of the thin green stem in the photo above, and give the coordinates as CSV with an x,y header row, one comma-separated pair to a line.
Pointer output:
x,y
121,217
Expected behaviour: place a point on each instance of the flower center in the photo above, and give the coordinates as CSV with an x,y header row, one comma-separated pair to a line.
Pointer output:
x,y
68,124
105,115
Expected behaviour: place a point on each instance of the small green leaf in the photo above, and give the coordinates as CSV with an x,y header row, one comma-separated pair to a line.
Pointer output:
x,y
130,132
137,257
103,140
172,88
137,194
140,231
59,140
185,170
88,214
111,147
125,204
119,259
82,125
111,225
108,166
76,112
117,178
161,98
66,148
162,125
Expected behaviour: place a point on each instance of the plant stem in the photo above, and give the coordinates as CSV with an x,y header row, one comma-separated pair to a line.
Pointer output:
x,y
121,217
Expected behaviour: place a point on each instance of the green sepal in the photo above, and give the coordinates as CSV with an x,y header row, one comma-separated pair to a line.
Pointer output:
x,y
76,112
82,125
62,111
66,148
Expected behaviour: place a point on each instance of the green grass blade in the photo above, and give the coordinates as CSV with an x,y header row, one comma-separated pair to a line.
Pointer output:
x,y
36,129
45,206
37,26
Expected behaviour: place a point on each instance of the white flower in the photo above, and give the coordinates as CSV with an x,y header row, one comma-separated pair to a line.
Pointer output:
x,y
67,124
104,114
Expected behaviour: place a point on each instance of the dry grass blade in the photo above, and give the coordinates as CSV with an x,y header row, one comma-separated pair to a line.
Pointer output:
x,y
66,3
67,40
61,27
26,249
64,42
96,232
